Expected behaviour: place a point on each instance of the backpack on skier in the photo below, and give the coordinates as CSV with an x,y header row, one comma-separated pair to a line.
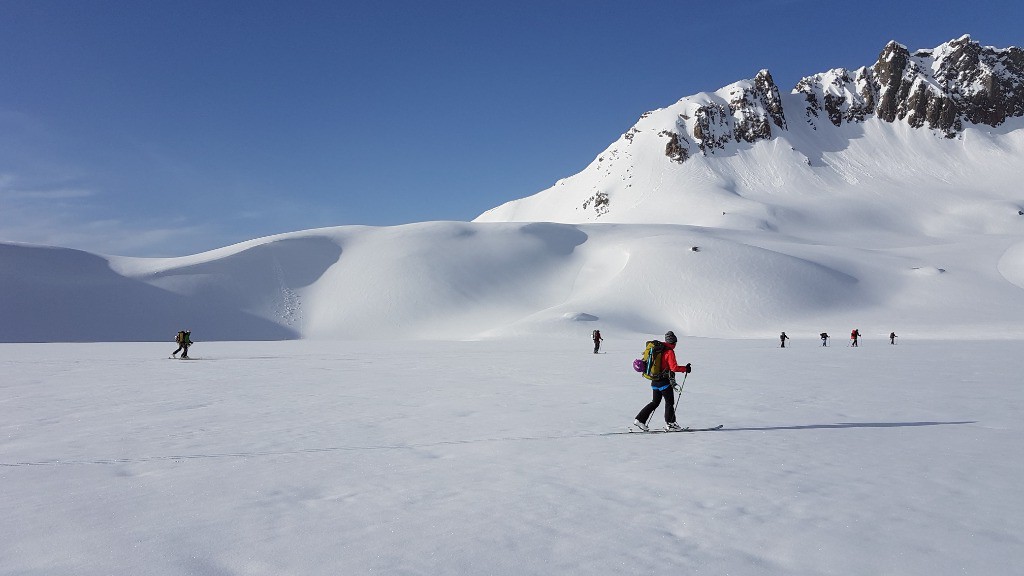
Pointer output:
x,y
650,364
180,337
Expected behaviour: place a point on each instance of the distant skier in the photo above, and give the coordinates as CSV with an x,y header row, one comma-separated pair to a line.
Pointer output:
x,y
824,338
854,336
597,340
184,340
783,338
663,386
892,338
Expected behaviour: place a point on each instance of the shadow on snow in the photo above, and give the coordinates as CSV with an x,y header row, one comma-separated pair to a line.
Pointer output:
x,y
847,425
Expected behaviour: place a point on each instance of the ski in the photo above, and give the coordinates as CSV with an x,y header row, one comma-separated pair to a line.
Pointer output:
x,y
633,430
719,427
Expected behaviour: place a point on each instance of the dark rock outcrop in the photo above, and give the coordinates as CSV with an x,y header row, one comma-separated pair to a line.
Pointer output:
x,y
752,109
945,89
958,83
678,148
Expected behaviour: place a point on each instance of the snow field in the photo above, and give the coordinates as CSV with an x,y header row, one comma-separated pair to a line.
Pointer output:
x,y
316,457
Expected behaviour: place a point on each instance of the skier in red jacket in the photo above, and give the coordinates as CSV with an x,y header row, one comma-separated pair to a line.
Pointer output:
x,y
664,387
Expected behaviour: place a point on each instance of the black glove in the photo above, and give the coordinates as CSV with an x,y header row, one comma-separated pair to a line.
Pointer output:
x,y
688,368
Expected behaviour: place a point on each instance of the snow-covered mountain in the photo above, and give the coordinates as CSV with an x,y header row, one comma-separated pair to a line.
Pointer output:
x,y
885,199
934,131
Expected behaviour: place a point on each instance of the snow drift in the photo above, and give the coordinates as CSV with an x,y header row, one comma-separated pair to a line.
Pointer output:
x,y
458,280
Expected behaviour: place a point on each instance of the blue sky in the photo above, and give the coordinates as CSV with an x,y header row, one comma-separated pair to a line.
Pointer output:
x,y
167,128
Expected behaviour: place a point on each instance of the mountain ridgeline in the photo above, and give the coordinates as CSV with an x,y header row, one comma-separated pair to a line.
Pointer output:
x,y
940,92
943,89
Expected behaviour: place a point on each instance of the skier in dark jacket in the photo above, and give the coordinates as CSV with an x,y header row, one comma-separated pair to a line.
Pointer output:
x,y
184,340
892,338
663,387
854,336
824,338
783,338
597,340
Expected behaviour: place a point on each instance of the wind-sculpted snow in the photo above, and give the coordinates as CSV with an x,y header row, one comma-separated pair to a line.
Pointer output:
x,y
458,280
260,279
443,279
62,295
1011,265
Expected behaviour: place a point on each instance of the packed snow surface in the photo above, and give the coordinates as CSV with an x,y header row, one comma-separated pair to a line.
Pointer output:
x,y
509,457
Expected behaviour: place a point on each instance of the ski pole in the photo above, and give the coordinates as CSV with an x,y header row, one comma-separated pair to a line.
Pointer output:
x,y
681,384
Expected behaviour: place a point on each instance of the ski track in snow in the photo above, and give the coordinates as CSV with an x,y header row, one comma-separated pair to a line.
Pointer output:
x,y
297,451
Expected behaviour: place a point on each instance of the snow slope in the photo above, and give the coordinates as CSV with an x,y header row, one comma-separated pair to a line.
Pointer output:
x,y
457,280
493,457
918,144
875,182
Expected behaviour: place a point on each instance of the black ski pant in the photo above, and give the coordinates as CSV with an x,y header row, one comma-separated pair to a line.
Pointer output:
x,y
597,346
180,348
670,403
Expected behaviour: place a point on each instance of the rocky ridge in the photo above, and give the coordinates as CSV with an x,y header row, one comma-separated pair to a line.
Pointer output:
x,y
942,89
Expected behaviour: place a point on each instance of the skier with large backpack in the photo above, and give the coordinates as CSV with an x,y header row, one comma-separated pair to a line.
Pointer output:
x,y
184,340
659,365
597,340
